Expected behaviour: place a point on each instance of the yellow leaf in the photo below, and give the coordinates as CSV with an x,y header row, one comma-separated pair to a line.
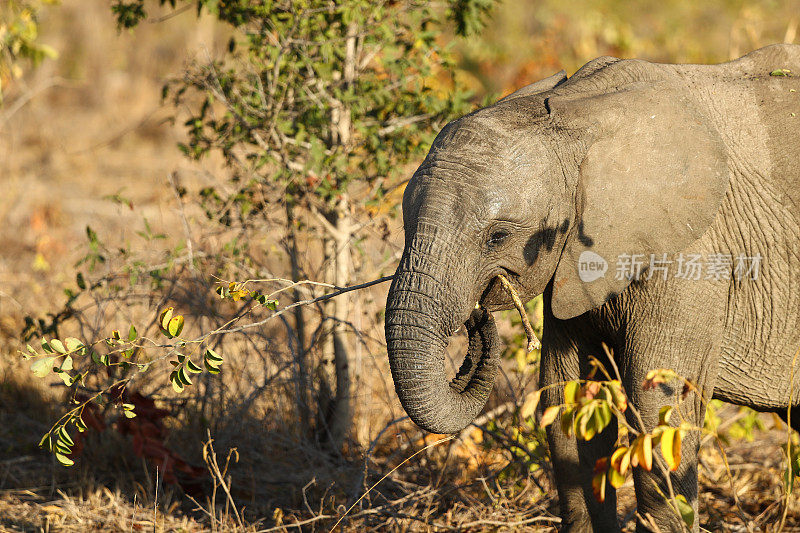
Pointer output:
x,y
625,462
616,458
615,479
166,316
549,415
566,420
521,357
40,264
663,415
599,486
175,325
671,447
618,397
644,452
571,389
529,406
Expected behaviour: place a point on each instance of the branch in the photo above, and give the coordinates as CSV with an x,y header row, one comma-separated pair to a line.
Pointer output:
x,y
338,292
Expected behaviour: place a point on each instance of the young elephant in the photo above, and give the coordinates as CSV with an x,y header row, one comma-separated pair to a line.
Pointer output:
x,y
567,187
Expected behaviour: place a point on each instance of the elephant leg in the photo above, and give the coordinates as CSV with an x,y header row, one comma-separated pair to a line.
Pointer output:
x,y
652,490
573,461
663,338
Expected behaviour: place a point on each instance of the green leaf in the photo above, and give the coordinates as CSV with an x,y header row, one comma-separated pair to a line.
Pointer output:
x,y
42,367
31,350
80,281
184,376
46,346
73,344
63,435
64,460
132,333
192,367
211,369
100,359
46,441
58,346
687,513
211,355
177,384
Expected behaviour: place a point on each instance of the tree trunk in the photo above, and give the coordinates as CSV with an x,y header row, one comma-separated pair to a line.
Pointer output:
x,y
340,412
301,378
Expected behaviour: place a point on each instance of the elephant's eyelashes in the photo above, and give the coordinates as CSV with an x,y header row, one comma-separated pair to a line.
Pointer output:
x,y
497,238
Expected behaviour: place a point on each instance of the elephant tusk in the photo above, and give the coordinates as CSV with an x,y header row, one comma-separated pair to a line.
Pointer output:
x,y
533,341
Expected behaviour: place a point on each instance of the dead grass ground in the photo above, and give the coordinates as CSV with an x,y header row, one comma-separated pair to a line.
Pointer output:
x,y
94,127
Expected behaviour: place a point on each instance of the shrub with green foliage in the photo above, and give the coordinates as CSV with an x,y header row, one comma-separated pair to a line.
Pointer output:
x,y
317,109
19,38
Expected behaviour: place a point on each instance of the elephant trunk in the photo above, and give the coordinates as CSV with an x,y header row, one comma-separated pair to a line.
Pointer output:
x,y
421,314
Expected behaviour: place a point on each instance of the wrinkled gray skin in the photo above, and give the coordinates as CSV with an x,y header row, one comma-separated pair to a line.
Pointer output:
x,y
624,157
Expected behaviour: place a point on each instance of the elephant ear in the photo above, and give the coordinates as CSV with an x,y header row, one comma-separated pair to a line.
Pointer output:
x,y
538,87
650,182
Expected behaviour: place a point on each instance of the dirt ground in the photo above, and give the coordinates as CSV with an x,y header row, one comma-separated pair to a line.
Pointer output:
x,y
91,126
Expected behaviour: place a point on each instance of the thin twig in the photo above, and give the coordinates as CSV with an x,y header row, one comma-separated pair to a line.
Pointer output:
x,y
318,299
533,340
187,231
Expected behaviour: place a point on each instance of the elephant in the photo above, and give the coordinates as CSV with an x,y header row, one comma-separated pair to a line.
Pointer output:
x,y
560,187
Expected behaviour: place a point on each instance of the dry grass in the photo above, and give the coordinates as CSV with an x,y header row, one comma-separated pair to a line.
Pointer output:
x,y
94,127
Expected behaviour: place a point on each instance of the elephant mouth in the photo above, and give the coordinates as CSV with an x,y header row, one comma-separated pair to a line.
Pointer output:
x,y
496,296
482,355
500,294
478,334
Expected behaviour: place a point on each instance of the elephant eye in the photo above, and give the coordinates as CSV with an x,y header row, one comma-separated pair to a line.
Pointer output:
x,y
497,238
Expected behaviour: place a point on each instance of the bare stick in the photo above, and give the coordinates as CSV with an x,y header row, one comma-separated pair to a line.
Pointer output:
x,y
533,341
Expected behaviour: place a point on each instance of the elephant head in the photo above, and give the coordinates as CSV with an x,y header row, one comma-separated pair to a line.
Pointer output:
x,y
524,188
